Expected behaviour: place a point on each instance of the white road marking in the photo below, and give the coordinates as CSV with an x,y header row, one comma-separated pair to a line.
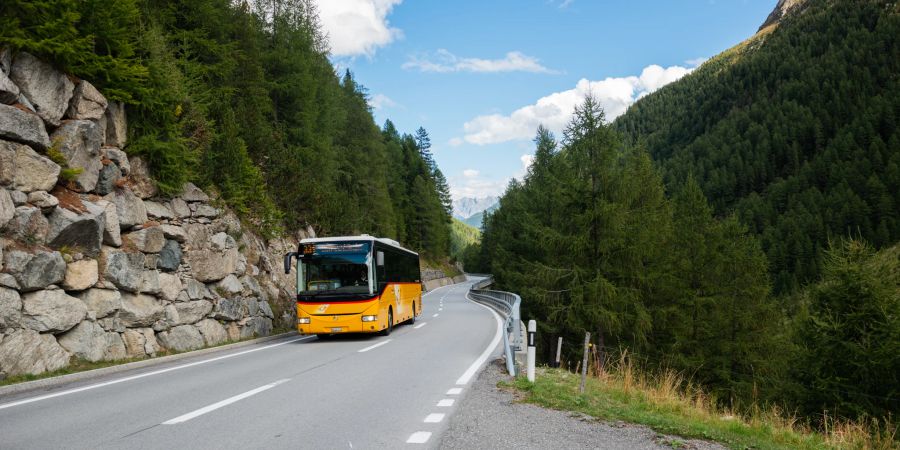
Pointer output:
x,y
435,315
440,309
226,402
454,391
144,375
374,346
434,418
470,372
419,437
420,325
446,402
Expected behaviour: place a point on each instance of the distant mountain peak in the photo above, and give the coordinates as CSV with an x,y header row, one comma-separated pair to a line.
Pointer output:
x,y
783,8
467,207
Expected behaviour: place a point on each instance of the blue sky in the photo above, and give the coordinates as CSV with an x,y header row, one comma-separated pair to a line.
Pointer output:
x,y
480,75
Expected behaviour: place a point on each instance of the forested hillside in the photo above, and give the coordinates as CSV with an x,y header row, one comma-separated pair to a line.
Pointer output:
x,y
727,225
796,130
242,98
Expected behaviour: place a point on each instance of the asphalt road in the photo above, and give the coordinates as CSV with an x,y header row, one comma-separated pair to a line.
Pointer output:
x,y
300,392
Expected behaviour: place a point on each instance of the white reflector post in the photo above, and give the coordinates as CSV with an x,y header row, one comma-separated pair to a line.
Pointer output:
x,y
532,330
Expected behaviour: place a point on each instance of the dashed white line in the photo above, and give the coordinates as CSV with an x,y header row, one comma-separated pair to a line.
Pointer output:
x,y
420,325
434,418
440,309
148,374
373,346
446,402
419,437
454,391
226,402
435,315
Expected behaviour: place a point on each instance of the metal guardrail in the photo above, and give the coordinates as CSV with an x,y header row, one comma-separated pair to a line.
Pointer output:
x,y
507,304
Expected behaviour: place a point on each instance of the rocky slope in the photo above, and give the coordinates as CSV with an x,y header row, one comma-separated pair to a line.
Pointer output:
x,y
94,264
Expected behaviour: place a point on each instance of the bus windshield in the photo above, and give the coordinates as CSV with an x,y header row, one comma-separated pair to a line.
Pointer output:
x,y
335,274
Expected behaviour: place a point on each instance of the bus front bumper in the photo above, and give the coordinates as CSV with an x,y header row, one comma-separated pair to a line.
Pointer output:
x,y
327,324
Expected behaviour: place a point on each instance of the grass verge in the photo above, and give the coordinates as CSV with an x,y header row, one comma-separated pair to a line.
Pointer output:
x,y
668,405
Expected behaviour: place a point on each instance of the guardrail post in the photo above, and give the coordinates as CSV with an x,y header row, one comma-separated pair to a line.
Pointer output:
x,y
558,351
532,330
517,327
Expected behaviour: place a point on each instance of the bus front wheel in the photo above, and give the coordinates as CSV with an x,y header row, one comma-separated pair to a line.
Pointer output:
x,y
390,325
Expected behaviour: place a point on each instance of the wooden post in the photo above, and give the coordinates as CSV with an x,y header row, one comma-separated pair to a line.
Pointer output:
x,y
584,361
558,351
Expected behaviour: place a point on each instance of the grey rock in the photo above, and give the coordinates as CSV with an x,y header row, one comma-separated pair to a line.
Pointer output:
x,y
48,89
83,231
265,309
196,290
192,312
43,200
125,270
197,236
150,282
140,310
87,102
139,178
206,211
181,338
44,269
79,141
23,126
51,310
250,285
29,352
116,125
7,280
150,261
113,324
111,231
7,208
222,242
25,170
180,208
81,275
19,198
120,158
252,307
161,325
158,210
102,302
256,326
212,331
229,286
129,207
169,256
28,226
106,179
174,232
5,60
209,266
86,341
9,92
230,308
114,348
147,240
170,286
191,193
10,309
134,341
14,261
183,297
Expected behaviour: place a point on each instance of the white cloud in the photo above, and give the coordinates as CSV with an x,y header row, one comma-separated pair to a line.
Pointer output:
x,y
555,110
565,3
357,27
470,173
443,61
526,162
475,187
456,142
381,101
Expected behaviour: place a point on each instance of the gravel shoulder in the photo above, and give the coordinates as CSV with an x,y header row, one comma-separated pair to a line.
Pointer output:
x,y
489,417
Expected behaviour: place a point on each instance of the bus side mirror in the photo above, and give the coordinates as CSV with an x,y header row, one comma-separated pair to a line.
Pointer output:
x,y
287,261
379,259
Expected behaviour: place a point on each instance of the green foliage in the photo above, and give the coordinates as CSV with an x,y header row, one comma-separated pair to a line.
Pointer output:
x,y
795,130
461,237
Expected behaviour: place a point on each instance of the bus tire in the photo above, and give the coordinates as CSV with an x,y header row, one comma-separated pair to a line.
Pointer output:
x,y
323,336
390,326
412,319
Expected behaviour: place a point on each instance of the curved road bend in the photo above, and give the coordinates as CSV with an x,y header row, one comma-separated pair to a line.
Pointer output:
x,y
300,392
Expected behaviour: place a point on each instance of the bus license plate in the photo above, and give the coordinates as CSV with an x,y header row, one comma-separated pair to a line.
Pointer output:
x,y
335,330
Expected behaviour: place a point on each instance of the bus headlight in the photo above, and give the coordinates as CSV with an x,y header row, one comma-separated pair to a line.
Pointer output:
x,y
369,318
303,320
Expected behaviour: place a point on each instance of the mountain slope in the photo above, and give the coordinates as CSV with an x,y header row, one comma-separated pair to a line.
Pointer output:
x,y
467,207
795,130
462,236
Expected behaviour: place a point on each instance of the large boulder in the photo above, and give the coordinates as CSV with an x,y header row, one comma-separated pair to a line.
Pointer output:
x,y
80,230
139,310
9,92
43,200
181,338
170,286
29,352
256,326
42,270
196,290
114,348
107,178
10,309
265,309
85,341
111,231
129,207
158,210
119,157
23,126
230,308
192,312
140,342
191,193
174,232
102,302
48,89
139,178
209,265
180,208
229,286
116,125
51,310
7,207
87,103
213,332
29,226
81,275
25,170
125,270
147,240
150,282
169,257
79,142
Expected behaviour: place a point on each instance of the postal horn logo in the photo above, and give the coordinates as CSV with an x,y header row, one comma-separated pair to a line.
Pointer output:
x,y
323,308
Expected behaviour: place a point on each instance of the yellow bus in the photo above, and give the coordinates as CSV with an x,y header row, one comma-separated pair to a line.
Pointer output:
x,y
355,284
